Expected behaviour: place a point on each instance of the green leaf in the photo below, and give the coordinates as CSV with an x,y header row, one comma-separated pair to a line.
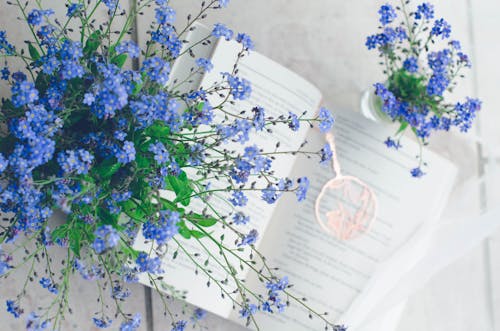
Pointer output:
x,y
35,55
119,60
158,130
142,162
198,234
182,188
137,88
169,205
204,221
133,211
75,241
107,218
107,168
403,127
183,230
140,189
92,43
61,232
129,251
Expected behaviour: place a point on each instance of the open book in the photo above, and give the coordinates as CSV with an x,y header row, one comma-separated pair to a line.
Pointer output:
x,y
331,273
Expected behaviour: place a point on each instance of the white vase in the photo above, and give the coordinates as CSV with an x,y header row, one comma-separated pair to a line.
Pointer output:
x,y
371,107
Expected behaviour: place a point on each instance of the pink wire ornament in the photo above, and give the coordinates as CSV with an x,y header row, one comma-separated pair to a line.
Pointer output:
x,y
346,206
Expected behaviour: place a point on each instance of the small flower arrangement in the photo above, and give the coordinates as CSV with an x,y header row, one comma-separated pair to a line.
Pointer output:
x,y
422,65
93,128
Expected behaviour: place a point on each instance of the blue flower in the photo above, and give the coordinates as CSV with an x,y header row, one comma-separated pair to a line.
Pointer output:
x,y
147,264
71,50
111,4
4,267
389,101
50,64
294,123
196,154
128,47
372,41
326,120
71,69
425,10
106,237
157,70
24,93
33,323
164,228
302,188
277,286
326,154
239,199
438,83
239,218
387,14
464,59
35,17
199,314
248,311
74,9
466,113
5,73
417,172
455,44
75,161
222,31
204,64
391,143
167,37
441,28
411,64
223,3
127,153
240,87
13,308
132,324
259,118
165,15
161,154
439,61
245,41
196,116
102,323
250,238
3,163
4,44
179,326
47,283
270,194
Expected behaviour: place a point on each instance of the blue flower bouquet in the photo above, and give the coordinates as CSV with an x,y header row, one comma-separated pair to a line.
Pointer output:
x,y
93,130
422,65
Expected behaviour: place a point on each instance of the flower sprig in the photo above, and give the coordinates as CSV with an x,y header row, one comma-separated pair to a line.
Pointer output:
x,y
96,130
422,65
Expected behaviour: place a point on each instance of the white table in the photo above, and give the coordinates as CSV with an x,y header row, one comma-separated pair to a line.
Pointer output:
x,y
323,40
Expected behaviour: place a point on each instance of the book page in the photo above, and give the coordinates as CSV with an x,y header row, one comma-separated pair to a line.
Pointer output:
x,y
278,91
333,273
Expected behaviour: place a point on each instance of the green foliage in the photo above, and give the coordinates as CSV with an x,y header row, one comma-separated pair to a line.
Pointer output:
x,y
119,60
35,55
407,86
181,185
204,221
93,43
107,168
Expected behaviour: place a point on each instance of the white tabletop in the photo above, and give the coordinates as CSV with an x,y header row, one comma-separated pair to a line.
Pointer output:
x,y
323,40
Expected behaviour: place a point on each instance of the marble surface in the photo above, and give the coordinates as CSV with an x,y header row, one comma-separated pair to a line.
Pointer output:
x,y
323,40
